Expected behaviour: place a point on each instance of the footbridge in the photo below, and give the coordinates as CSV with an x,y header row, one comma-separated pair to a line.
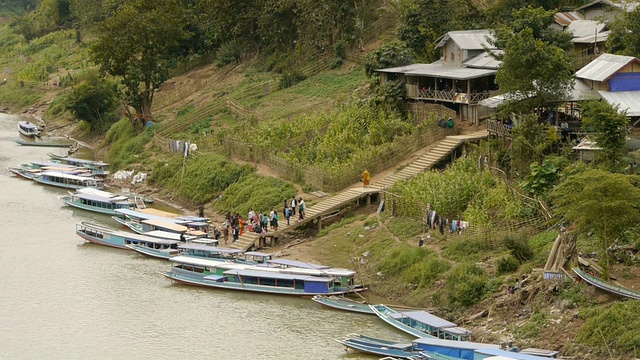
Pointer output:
x,y
355,195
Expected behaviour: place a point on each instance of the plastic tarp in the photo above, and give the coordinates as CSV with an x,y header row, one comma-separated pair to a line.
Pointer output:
x,y
625,82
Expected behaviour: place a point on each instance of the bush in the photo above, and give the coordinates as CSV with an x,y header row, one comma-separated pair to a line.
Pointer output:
x,y
291,78
258,193
465,285
464,249
617,325
507,264
228,53
519,248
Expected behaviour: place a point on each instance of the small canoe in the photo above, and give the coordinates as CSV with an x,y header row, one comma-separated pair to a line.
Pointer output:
x,y
343,303
43,144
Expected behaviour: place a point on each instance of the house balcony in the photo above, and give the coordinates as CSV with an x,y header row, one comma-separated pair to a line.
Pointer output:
x,y
472,97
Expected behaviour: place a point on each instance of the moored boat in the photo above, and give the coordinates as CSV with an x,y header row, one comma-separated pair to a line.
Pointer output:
x,y
343,303
27,128
97,167
103,204
215,274
420,323
102,235
394,349
141,223
68,181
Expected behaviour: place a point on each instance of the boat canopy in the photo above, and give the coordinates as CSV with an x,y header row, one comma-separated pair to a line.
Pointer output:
x,y
69,176
278,276
209,248
298,264
194,219
256,253
198,261
54,164
144,216
163,234
103,199
27,125
425,318
165,225
94,191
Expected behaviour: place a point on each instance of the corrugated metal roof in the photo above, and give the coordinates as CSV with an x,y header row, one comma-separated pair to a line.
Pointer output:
x,y
438,70
624,5
484,61
604,67
582,28
626,100
565,18
467,39
592,39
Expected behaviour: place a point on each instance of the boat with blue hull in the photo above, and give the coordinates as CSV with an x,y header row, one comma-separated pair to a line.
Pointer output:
x,y
216,274
102,235
103,202
28,129
142,222
420,323
97,167
435,348
68,181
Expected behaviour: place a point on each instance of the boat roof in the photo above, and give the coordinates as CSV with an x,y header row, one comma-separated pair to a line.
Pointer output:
x,y
94,191
195,224
165,224
163,234
82,161
102,199
455,344
257,253
209,248
298,264
51,163
275,275
425,318
508,354
146,216
26,124
200,261
160,213
138,237
68,176
318,272
195,219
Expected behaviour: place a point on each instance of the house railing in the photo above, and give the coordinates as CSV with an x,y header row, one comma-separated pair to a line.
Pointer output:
x,y
498,128
456,97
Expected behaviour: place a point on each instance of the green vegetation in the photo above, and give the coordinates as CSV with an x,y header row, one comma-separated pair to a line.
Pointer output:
x,y
616,326
255,192
197,179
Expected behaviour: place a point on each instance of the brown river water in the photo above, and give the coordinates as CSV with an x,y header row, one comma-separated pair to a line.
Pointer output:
x,y
63,299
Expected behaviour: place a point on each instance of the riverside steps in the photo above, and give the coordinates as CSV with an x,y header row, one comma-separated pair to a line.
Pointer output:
x,y
354,195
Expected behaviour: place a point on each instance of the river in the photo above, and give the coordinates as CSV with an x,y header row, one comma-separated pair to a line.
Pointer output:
x,y
61,298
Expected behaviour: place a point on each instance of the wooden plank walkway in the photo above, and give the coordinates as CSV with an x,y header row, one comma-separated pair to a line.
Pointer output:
x,y
331,204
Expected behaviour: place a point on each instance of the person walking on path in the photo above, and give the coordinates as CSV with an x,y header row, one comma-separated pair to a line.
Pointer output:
x,y
287,215
236,233
225,233
366,178
274,222
294,204
301,209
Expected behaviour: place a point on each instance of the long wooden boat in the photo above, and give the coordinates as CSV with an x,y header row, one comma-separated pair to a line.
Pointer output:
x,y
26,128
43,144
342,303
420,323
102,235
215,274
101,203
27,174
141,223
379,347
97,167
68,181
606,286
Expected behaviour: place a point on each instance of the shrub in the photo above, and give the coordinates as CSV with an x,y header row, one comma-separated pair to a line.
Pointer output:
x,y
465,285
519,248
291,78
507,264
228,53
617,325
464,249
258,193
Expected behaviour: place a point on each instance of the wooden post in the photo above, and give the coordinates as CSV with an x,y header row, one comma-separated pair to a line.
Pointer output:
x,y
319,223
368,199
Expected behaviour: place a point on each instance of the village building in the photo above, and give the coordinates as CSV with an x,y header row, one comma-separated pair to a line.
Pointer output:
x,y
616,78
459,80
606,10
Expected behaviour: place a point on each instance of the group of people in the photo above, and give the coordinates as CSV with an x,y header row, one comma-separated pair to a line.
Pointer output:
x,y
260,222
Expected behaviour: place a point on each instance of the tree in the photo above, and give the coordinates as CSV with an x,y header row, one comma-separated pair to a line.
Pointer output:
x,y
610,131
139,45
600,202
93,100
624,38
534,68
